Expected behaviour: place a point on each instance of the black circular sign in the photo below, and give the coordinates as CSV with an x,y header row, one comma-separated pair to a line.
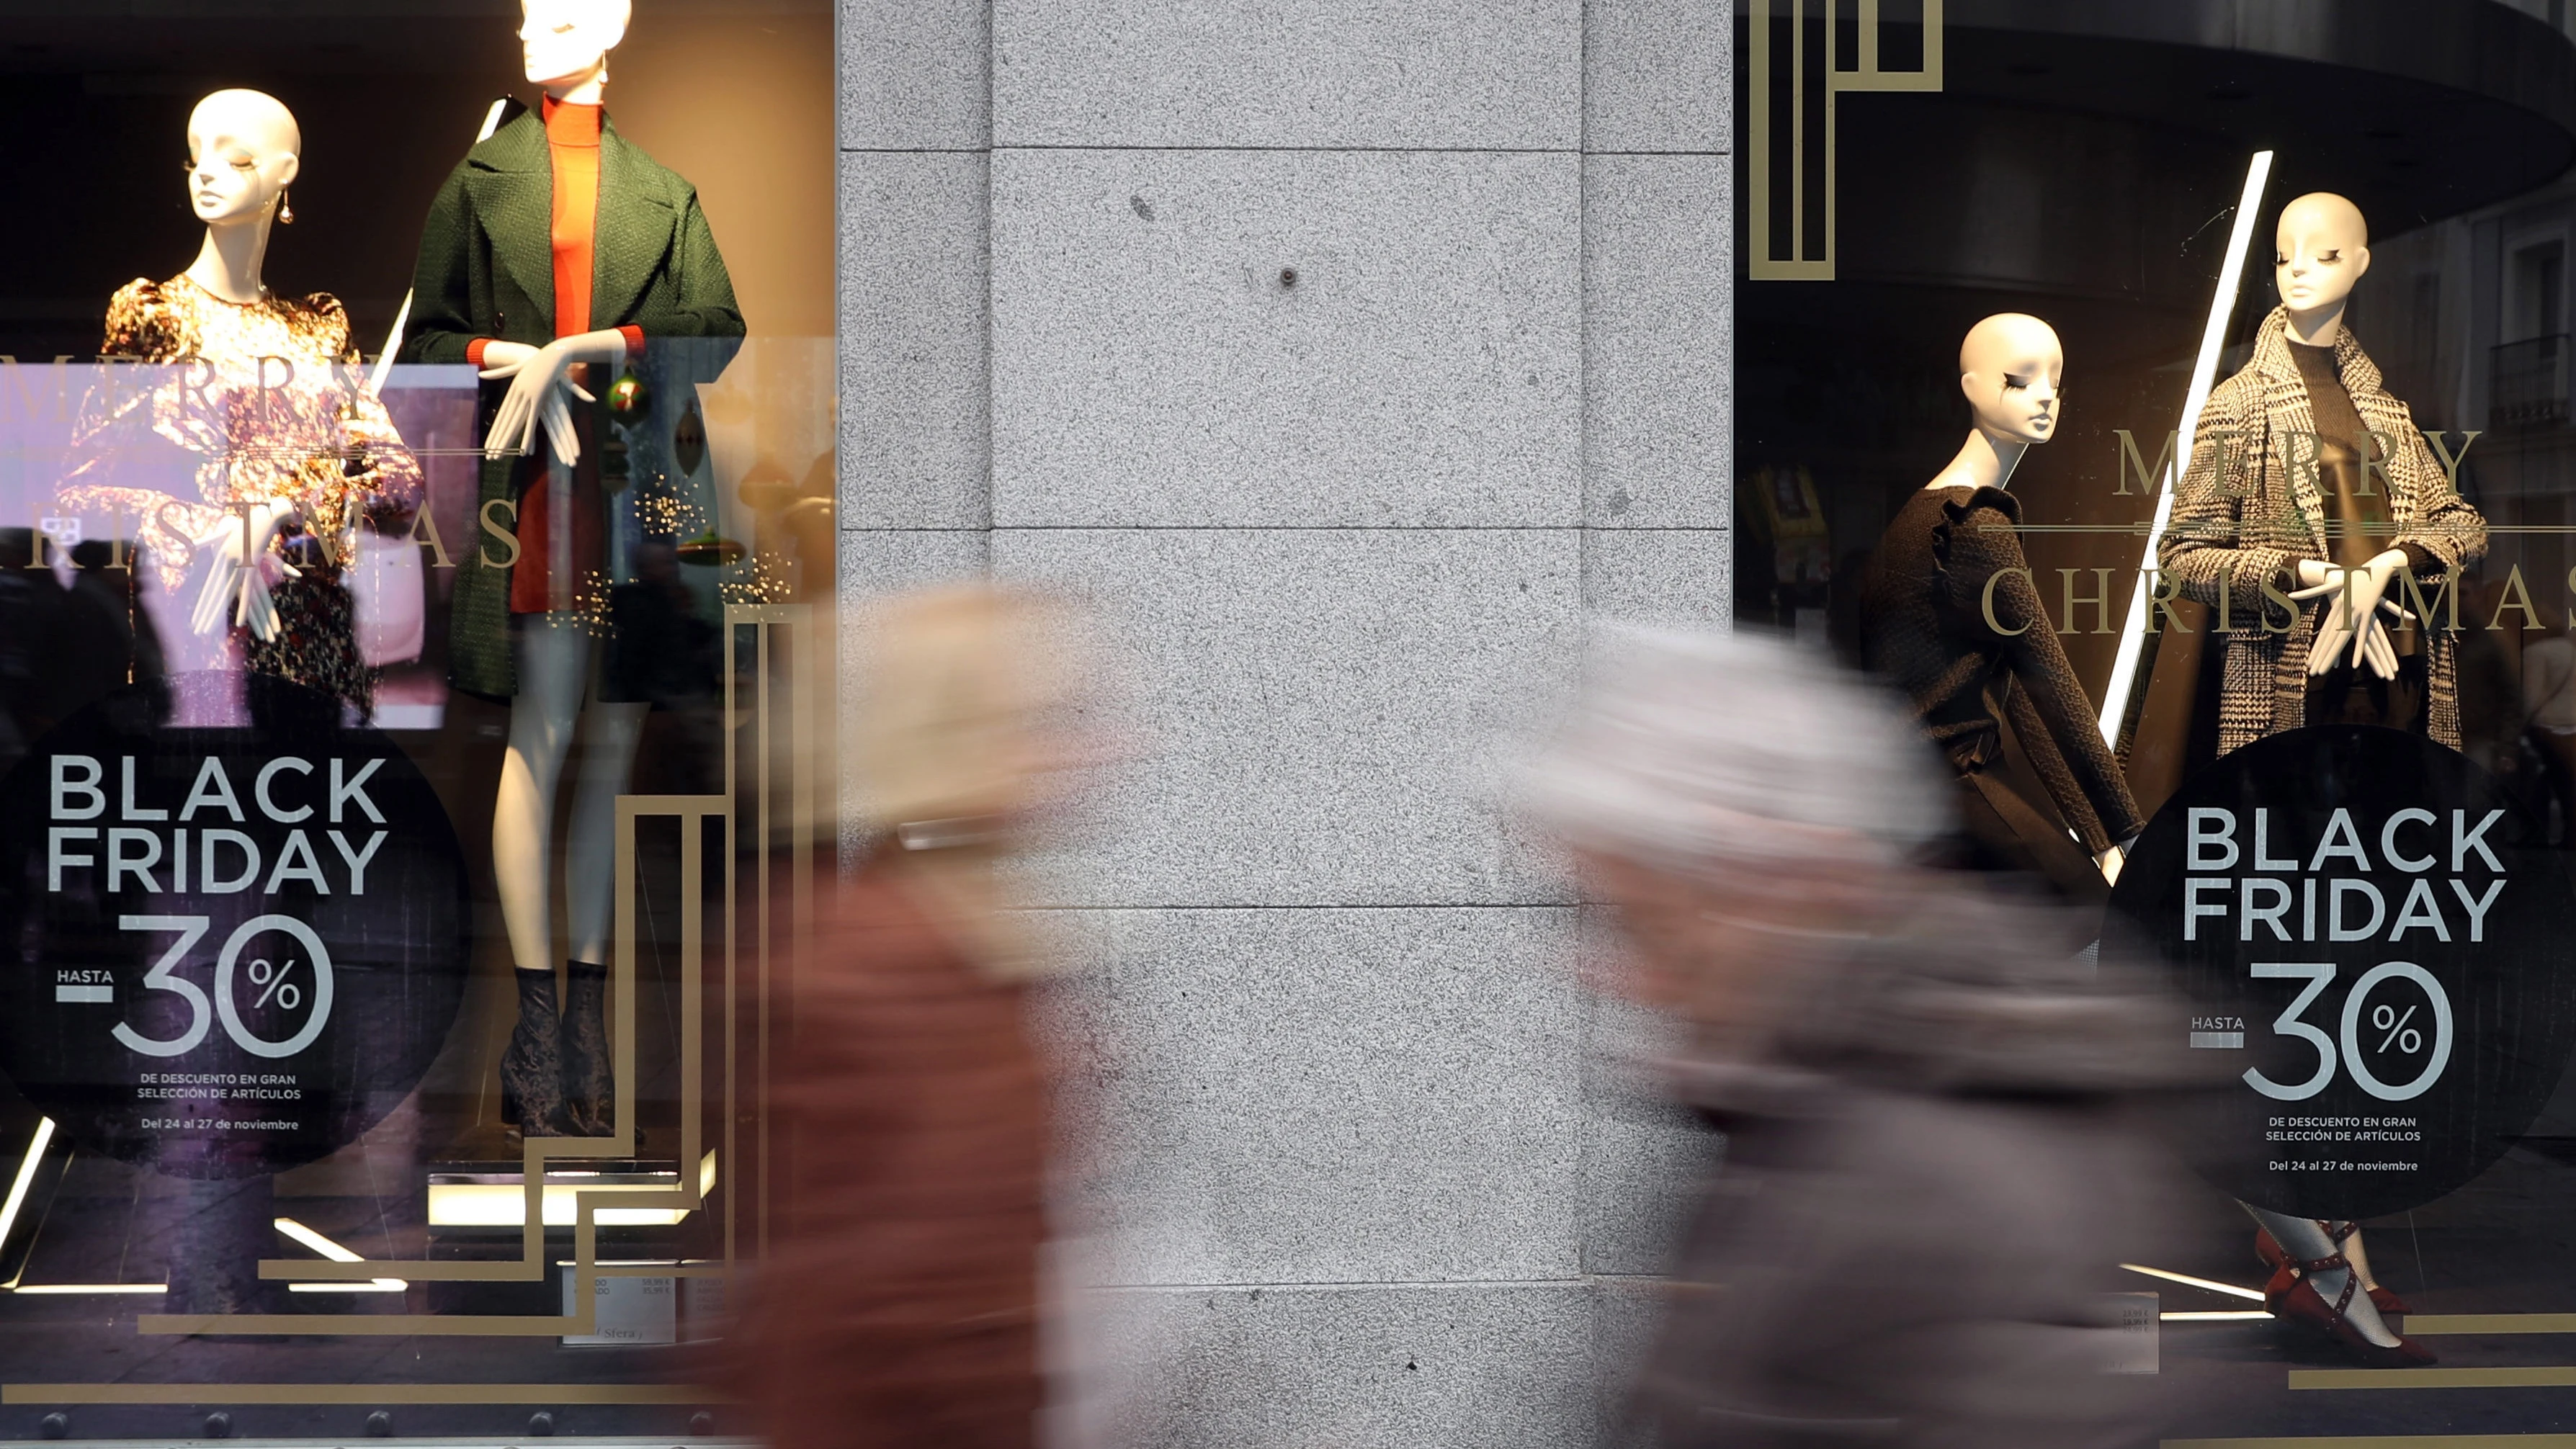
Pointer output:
x,y
230,951
2369,943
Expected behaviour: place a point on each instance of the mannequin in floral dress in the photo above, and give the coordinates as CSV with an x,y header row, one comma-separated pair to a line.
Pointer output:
x,y
244,453
283,449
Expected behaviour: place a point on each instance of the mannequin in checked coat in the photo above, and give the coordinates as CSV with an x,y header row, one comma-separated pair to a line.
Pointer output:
x,y
2248,512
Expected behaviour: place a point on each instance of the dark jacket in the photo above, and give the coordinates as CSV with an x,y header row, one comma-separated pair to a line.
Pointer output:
x,y
1930,1178
898,1305
487,270
1948,570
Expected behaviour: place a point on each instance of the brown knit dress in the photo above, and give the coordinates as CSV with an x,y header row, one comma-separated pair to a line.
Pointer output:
x,y
900,1306
1949,570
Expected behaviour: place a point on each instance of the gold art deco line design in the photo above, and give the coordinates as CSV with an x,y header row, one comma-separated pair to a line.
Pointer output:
x,y
2420,1324
690,810
2541,1376
1800,265
803,730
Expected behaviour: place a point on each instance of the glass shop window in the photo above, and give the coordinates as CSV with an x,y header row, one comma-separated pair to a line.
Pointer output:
x,y
416,476
2086,357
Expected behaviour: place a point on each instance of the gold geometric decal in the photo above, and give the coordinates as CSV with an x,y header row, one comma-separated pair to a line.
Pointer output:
x,y
1810,254
765,731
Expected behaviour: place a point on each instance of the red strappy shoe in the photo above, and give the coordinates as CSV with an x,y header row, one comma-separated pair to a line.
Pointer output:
x,y
2283,1275
2302,1302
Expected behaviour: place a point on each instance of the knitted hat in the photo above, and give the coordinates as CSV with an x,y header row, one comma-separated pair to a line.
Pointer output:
x,y
1689,751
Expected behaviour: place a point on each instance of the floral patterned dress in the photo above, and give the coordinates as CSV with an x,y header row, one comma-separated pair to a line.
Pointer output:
x,y
264,402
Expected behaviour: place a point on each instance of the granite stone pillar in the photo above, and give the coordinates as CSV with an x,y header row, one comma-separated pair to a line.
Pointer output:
x,y
1346,354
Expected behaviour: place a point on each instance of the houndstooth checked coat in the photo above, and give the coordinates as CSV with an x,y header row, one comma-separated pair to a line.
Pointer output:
x,y
2250,508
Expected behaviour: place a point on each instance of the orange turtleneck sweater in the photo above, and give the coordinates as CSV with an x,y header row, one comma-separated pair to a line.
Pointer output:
x,y
560,558
572,144
572,148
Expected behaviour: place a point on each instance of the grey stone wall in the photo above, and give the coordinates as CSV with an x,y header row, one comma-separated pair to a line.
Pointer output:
x,y
1348,354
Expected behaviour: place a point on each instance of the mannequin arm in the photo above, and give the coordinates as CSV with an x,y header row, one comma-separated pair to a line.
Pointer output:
x,y
539,379
2447,529
235,591
2074,788
697,314
2350,603
2203,547
2048,708
706,304
391,484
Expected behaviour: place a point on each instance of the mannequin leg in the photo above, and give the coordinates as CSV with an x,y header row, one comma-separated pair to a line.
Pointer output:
x,y
2355,1254
554,666
609,735
2305,1240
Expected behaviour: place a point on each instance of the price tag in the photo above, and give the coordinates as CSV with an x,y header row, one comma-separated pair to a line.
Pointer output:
x,y
639,1309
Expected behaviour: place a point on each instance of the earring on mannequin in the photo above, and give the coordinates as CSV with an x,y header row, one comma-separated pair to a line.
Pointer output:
x,y
285,208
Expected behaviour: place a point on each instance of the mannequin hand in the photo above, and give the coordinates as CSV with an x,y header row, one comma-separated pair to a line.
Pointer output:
x,y
235,590
2352,627
539,379
2110,861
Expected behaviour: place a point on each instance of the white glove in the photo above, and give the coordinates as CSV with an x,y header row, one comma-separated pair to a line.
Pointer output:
x,y
539,379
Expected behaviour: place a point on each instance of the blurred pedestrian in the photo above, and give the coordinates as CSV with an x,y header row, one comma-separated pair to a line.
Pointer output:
x,y
1929,1176
899,1304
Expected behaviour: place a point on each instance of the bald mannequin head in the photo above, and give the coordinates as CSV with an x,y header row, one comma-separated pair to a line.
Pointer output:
x,y
564,44
2010,367
2321,249
242,154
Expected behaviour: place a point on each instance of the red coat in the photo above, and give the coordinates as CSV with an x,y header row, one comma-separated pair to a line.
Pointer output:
x,y
899,1304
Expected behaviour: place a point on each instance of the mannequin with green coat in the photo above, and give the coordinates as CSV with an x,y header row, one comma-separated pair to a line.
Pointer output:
x,y
588,478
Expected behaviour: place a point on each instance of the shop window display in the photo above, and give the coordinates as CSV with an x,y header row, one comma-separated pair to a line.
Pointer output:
x,y
414,514
2243,612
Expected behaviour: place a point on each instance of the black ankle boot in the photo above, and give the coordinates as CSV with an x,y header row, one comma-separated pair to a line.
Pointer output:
x,y
532,1065
589,1085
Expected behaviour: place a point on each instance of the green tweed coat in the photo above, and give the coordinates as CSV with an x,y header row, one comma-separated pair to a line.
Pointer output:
x,y
2248,510
486,269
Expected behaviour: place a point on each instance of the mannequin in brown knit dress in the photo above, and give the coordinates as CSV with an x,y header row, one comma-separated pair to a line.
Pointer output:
x,y
1949,614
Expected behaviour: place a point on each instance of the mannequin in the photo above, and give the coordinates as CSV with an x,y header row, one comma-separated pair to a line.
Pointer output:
x,y
246,458
1948,612
635,280
288,449
2294,505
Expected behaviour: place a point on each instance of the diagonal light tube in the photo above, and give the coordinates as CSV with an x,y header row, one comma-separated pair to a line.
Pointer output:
x,y
2213,1285
26,1179
16,1203
2213,336
337,1254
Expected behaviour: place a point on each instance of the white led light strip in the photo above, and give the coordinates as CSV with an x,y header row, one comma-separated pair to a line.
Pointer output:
x,y
2231,275
337,1254
2213,1285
